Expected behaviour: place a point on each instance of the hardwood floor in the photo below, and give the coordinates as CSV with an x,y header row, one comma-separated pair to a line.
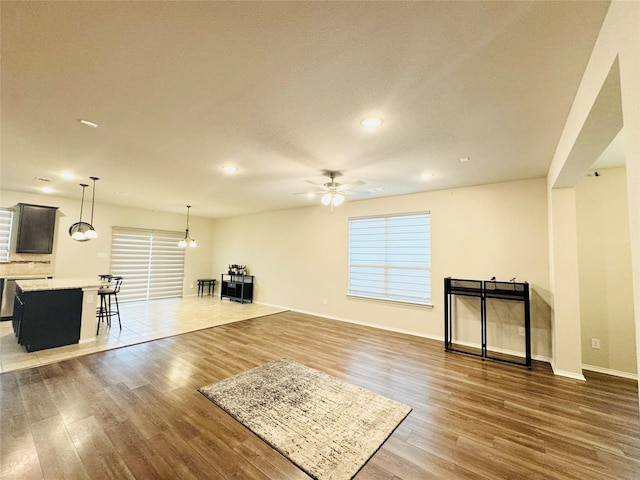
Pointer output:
x,y
134,412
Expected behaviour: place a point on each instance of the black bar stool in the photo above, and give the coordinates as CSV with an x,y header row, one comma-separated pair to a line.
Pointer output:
x,y
106,294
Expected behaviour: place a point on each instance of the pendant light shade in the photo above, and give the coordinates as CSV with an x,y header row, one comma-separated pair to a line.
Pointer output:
x,y
187,240
83,231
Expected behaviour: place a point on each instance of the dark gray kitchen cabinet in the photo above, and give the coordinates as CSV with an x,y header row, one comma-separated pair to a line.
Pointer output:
x,y
36,227
47,318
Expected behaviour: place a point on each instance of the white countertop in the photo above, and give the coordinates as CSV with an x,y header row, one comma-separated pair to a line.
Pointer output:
x,y
26,277
59,284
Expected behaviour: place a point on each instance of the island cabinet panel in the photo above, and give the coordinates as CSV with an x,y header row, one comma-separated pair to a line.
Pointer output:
x,y
47,318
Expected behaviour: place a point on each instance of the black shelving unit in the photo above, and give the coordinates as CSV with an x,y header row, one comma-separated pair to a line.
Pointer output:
x,y
236,287
486,289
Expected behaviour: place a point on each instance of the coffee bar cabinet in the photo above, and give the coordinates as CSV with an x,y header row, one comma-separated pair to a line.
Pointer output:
x,y
236,287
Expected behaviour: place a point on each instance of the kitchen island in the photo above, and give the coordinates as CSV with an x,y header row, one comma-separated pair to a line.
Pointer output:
x,y
54,312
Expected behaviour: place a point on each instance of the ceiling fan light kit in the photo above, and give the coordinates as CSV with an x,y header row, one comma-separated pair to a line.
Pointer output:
x,y
332,197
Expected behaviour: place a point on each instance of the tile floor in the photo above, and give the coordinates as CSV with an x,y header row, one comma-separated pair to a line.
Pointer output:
x,y
141,322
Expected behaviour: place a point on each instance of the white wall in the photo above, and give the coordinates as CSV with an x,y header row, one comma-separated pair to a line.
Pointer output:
x,y
604,260
87,259
299,256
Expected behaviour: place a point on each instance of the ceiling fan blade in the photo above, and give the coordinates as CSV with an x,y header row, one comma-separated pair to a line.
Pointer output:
x,y
311,192
318,185
351,185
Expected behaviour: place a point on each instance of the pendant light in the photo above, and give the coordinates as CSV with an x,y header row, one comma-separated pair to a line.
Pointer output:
x,y
187,239
83,231
91,232
78,229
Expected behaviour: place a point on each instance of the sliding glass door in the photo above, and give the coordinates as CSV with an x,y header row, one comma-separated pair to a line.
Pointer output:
x,y
150,261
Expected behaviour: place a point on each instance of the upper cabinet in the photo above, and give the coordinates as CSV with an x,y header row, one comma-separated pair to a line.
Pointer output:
x,y
36,225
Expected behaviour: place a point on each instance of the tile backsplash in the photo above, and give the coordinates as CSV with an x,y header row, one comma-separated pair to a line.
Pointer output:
x,y
26,265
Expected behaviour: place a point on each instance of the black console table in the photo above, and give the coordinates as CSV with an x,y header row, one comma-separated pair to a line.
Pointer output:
x,y
237,287
486,289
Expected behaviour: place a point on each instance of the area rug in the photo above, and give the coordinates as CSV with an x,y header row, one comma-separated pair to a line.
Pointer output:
x,y
327,427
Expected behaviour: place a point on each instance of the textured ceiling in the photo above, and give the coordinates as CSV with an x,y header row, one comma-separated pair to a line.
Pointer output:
x,y
181,89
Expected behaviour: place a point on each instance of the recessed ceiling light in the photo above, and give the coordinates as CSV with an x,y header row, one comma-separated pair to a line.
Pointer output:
x,y
89,124
68,175
464,159
426,176
230,169
311,195
47,189
371,122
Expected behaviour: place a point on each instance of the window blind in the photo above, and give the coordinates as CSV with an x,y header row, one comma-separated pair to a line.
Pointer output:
x,y
390,257
6,221
150,262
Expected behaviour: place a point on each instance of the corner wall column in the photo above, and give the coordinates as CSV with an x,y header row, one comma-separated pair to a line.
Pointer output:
x,y
563,242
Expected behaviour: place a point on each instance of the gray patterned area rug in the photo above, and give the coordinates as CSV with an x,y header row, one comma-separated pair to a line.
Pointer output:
x,y
327,427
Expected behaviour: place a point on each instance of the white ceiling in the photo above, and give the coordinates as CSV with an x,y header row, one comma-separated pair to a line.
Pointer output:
x,y
181,89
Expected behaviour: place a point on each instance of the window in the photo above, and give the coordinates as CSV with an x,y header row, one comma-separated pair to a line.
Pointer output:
x,y
390,258
6,220
150,261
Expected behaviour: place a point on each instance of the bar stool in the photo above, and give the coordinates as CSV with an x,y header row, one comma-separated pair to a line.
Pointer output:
x,y
106,294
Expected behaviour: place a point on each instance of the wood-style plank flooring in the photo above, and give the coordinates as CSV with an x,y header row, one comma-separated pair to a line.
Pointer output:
x,y
135,412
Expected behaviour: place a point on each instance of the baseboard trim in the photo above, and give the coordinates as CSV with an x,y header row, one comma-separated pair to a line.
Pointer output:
x,y
408,332
564,373
608,371
372,325
438,338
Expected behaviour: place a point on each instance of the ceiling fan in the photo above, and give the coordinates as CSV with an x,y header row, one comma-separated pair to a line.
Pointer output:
x,y
333,193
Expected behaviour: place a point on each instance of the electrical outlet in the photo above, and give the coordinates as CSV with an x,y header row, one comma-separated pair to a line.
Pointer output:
x,y
324,301
89,298
191,286
521,331
595,343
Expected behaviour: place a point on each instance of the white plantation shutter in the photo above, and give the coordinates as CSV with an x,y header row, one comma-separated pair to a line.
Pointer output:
x,y
150,262
390,257
6,220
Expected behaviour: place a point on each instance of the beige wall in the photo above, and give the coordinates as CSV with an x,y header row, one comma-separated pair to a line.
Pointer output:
x,y
299,256
619,40
87,259
604,260
567,359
